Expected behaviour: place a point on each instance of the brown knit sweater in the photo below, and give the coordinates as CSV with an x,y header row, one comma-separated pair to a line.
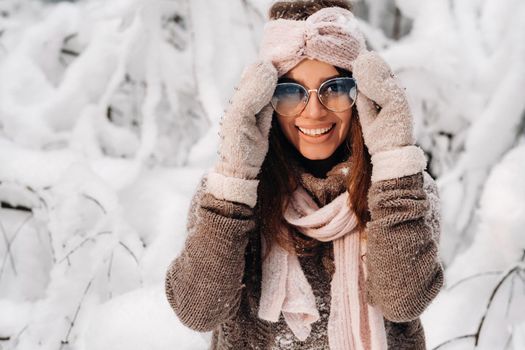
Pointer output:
x,y
214,284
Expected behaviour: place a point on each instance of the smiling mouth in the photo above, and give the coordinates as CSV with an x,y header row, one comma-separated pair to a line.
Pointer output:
x,y
317,131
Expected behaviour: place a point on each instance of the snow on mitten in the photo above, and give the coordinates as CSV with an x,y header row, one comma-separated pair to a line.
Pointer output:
x,y
385,119
244,136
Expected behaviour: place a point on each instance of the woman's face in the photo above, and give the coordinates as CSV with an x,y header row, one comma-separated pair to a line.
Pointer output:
x,y
306,131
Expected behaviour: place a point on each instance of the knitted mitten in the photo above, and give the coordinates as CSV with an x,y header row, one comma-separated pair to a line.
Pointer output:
x,y
244,136
385,119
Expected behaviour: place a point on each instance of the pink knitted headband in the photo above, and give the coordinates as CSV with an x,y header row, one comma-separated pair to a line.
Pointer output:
x,y
330,35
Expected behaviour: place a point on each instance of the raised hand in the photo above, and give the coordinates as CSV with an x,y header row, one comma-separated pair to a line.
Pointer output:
x,y
386,119
244,136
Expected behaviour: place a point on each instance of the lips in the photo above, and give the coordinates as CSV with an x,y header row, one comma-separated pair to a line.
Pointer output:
x,y
315,131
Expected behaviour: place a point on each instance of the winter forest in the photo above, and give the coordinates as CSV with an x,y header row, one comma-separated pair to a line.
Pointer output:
x,y
109,113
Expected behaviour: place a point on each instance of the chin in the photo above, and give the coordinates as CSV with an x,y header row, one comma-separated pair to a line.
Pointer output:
x,y
316,154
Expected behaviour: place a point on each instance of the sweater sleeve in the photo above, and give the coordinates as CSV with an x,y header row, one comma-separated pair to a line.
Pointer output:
x,y
404,270
204,283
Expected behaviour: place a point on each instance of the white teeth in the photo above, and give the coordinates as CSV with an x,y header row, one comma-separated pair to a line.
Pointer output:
x,y
315,132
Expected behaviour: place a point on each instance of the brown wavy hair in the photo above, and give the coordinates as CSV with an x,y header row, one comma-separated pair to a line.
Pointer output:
x,y
278,181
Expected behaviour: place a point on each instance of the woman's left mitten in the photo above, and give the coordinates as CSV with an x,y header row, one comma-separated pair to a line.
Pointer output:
x,y
386,120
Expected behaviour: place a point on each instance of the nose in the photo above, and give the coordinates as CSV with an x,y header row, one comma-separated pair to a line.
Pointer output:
x,y
314,109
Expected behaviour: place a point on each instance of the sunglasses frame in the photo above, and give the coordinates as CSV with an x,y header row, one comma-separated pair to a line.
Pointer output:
x,y
308,91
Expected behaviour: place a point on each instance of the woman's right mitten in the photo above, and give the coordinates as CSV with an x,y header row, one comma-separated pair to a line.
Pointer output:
x,y
244,136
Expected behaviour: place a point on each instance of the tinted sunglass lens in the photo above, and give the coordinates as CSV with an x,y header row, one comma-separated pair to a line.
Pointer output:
x,y
288,98
338,94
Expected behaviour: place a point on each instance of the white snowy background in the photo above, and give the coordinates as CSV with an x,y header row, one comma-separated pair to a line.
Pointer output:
x,y
109,114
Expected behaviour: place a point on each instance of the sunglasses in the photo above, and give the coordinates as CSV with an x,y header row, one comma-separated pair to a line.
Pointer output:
x,y
336,94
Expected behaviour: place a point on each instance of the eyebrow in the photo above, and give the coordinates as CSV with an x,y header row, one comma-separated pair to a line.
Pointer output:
x,y
291,80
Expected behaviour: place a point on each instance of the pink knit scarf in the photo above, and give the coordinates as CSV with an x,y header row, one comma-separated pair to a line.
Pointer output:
x,y
352,324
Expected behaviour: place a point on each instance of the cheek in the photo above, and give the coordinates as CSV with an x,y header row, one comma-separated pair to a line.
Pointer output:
x,y
345,125
288,128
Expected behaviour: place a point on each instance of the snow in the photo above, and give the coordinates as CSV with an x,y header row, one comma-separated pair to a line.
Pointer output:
x,y
148,321
498,247
109,113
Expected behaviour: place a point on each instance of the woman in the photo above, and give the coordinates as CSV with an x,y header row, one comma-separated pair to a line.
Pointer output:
x,y
318,227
